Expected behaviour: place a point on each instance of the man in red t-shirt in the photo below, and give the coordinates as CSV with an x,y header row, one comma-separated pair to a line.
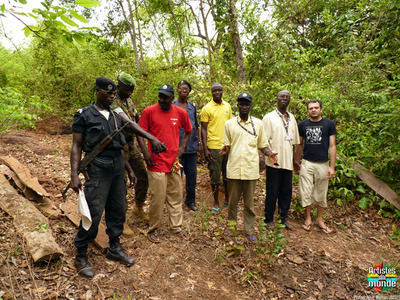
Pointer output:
x,y
164,120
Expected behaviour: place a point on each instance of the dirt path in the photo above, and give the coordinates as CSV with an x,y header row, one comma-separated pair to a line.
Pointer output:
x,y
312,265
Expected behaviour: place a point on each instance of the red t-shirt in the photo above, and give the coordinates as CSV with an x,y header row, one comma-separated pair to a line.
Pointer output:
x,y
165,126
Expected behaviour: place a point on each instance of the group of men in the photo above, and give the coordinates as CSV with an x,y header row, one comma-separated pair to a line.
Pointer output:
x,y
230,145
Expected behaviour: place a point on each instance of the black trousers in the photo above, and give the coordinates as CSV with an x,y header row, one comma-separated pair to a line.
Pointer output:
x,y
279,187
106,190
189,163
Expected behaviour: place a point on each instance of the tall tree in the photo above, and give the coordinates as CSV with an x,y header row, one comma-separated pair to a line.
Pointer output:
x,y
140,37
204,13
237,46
132,32
177,29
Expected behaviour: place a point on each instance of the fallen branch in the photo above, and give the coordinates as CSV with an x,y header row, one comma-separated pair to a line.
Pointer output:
x,y
29,223
44,204
378,185
31,183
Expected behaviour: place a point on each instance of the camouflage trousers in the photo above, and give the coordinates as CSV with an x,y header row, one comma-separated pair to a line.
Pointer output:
x,y
137,163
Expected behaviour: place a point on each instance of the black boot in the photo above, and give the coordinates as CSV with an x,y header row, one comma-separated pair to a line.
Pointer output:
x,y
115,252
82,264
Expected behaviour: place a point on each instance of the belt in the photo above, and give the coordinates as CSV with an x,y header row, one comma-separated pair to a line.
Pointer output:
x,y
110,154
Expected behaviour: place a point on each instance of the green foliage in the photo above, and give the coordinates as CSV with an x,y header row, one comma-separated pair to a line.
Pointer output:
x,y
40,226
271,242
52,21
396,233
202,216
249,276
234,250
231,226
18,111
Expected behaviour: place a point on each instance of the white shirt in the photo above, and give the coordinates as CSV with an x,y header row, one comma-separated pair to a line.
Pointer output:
x,y
280,140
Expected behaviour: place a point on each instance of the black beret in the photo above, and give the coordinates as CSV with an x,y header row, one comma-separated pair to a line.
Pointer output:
x,y
106,84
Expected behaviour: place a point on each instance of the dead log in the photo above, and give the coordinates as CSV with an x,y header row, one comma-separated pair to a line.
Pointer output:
x,y
45,205
101,240
378,185
29,223
32,188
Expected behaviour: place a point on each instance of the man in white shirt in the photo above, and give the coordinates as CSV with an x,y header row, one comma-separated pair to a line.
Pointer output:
x,y
282,135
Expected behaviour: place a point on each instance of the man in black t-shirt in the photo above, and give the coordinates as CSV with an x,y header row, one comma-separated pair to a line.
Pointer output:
x,y
317,138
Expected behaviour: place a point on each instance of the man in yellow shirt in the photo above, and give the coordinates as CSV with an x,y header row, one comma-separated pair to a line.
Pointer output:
x,y
243,136
213,118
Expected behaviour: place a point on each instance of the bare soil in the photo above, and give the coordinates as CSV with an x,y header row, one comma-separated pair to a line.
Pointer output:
x,y
313,265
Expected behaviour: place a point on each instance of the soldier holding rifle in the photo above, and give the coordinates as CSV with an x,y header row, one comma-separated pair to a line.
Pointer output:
x,y
105,189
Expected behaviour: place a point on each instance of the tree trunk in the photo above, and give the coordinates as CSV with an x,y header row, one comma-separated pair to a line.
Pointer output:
x,y
158,36
237,46
132,33
178,30
207,40
29,223
219,29
140,38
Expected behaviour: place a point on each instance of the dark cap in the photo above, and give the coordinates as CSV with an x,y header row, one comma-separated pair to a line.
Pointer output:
x,y
185,82
246,97
166,89
105,84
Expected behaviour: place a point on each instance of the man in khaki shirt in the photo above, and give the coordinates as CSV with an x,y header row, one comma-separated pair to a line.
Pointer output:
x,y
282,135
243,136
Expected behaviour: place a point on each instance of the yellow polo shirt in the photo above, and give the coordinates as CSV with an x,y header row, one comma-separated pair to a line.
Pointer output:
x,y
243,161
215,115
277,138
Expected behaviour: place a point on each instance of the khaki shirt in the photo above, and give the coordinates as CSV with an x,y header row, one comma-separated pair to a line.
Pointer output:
x,y
243,161
276,136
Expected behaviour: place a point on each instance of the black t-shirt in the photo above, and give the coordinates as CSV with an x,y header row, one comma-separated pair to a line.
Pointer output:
x,y
316,138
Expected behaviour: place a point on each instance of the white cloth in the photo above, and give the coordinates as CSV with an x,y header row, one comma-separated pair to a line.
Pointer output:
x,y
83,209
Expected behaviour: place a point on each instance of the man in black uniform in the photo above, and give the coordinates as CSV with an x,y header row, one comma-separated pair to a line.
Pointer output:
x,y
106,188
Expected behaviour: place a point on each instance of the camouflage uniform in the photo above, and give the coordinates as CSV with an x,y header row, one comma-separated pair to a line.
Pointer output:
x,y
132,153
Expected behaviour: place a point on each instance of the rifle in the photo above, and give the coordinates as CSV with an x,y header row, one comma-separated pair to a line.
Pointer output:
x,y
92,155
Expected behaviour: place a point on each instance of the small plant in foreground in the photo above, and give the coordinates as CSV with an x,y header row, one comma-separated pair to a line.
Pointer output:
x,y
202,216
249,276
271,242
40,226
234,250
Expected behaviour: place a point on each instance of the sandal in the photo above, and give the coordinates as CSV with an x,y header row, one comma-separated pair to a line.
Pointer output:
x,y
325,229
252,238
153,236
306,227
226,205
215,210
